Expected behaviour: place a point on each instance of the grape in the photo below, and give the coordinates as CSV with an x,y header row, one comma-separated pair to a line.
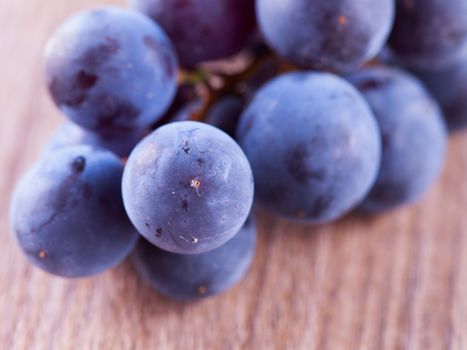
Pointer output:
x,y
430,34
387,57
202,30
413,134
185,95
111,70
336,35
225,113
190,277
67,213
313,144
188,187
267,71
70,134
449,87
187,111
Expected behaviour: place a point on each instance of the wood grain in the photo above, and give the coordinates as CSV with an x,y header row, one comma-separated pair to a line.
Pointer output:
x,y
393,282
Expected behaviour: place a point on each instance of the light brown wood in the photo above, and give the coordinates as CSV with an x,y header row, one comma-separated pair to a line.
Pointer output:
x,y
393,282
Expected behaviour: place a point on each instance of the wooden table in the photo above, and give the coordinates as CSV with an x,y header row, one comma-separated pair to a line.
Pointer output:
x,y
397,281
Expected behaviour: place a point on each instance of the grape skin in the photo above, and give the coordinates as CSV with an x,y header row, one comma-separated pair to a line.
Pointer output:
x,y
449,87
202,30
188,187
67,213
111,70
225,113
430,34
192,277
413,133
313,144
70,134
334,35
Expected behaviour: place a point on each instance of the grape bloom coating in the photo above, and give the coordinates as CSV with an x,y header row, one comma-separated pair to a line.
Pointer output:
x,y
111,70
313,144
196,276
70,134
188,187
413,134
337,35
430,34
67,212
202,30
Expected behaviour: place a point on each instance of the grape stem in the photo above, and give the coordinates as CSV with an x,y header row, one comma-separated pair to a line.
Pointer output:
x,y
209,94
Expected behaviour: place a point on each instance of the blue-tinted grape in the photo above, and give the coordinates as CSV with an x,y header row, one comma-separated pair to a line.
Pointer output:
x,y
111,70
225,113
313,144
191,277
267,71
71,134
449,87
202,30
337,35
187,112
185,95
188,187
67,213
430,34
413,134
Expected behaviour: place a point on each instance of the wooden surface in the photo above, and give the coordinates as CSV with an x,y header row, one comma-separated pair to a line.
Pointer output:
x,y
394,282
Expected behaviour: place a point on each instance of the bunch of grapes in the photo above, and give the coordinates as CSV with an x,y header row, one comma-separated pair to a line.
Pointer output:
x,y
327,107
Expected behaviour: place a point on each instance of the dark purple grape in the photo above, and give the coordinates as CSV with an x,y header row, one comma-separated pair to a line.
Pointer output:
x,y
313,144
225,113
449,87
266,72
202,30
413,133
430,34
187,112
191,277
111,70
70,134
335,35
188,187
185,95
67,213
